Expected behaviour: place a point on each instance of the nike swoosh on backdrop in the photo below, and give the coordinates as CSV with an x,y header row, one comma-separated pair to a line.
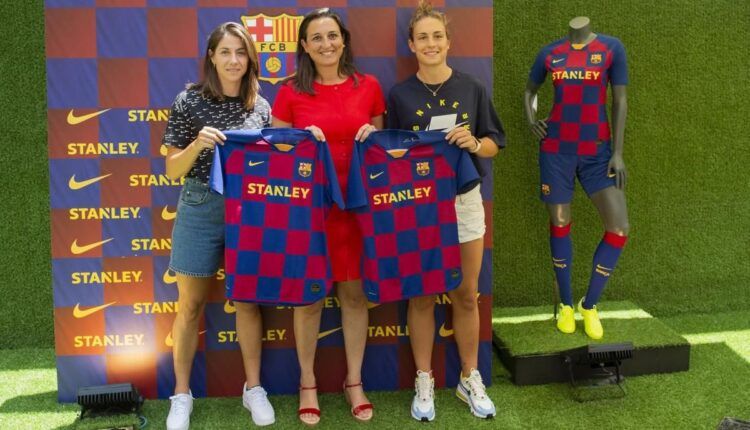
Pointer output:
x,y
76,249
83,313
168,278
168,215
73,184
323,334
444,332
74,119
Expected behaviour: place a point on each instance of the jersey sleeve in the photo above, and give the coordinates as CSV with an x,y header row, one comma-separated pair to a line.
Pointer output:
x,y
179,124
467,176
333,190
488,122
216,177
356,196
538,72
618,70
282,104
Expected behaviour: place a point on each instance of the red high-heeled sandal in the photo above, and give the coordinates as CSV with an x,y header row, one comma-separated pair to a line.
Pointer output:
x,y
357,410
312,411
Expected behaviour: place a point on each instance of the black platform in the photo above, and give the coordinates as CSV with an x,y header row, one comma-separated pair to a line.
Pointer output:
x,y
533,350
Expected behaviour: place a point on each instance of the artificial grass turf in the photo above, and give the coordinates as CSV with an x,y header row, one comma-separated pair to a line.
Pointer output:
x,y
684,152
688,247
622,321
714,387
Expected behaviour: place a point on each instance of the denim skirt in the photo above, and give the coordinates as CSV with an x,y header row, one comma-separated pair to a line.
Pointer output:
x,y
198,231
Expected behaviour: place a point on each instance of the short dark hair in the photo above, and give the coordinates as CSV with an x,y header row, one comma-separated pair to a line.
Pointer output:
x,y
210,85
305,76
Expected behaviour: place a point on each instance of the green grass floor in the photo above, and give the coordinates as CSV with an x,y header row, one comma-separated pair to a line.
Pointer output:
x,y
531,331
715,386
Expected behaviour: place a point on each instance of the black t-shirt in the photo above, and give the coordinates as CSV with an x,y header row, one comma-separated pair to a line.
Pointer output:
x,y
191,111
462,98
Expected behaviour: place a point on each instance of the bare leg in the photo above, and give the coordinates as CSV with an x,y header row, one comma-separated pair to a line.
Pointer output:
x,y
420,319
306,329
354,320
465,305
249,334
193,293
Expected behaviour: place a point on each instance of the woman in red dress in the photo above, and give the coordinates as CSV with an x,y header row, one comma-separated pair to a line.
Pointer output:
x,y
329,97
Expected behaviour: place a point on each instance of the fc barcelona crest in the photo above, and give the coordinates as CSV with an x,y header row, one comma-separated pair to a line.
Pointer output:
x,y
596,58
276,42
423,168
305,169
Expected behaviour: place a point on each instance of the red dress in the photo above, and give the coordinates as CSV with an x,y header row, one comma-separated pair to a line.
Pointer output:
x,y
339,110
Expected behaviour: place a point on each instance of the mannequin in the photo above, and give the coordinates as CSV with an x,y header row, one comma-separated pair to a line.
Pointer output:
x,y
576,142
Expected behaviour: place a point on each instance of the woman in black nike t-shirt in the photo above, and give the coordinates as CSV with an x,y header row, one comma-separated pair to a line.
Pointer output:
x,y
439,97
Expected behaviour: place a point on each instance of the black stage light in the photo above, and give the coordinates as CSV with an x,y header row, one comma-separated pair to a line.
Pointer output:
x,y
729,423
597,365
107,400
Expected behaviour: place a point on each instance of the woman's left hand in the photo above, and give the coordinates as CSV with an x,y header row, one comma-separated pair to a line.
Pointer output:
x,y
462,138
364,131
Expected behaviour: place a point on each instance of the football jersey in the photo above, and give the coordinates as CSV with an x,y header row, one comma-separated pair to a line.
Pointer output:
x,y
278,185
580,76
402,186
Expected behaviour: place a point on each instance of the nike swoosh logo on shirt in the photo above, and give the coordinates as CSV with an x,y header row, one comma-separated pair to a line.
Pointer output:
x,y
375,175
255,163
557,60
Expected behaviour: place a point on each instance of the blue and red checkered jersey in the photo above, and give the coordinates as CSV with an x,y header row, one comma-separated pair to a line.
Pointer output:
x,y
402,186
278,185
578,120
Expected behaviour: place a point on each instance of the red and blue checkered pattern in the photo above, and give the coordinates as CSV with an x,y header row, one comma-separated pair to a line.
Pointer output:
x,y
403,186
578,120
278,186
113,70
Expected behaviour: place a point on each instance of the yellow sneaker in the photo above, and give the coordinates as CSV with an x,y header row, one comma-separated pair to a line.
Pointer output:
x,y
591,323
566,318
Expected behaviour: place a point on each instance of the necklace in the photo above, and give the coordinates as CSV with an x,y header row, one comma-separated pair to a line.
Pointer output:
x,y
435,91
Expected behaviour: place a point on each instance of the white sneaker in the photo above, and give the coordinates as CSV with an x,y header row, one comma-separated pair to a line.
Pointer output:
x,y
179,411
423,405
256,401
471,390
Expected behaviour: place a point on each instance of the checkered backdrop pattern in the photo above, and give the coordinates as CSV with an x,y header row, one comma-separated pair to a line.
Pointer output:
x,y
113,70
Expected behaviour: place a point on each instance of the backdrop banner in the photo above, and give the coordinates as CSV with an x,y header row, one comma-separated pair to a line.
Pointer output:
x,y
114,68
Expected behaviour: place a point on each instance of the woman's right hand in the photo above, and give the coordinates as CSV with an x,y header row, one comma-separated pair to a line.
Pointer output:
x,y
317,132
207,138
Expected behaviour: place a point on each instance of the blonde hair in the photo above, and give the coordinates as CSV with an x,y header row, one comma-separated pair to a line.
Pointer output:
x,y
425,10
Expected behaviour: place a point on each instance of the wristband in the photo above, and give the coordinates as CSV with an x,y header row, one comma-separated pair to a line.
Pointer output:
x,y
476,148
